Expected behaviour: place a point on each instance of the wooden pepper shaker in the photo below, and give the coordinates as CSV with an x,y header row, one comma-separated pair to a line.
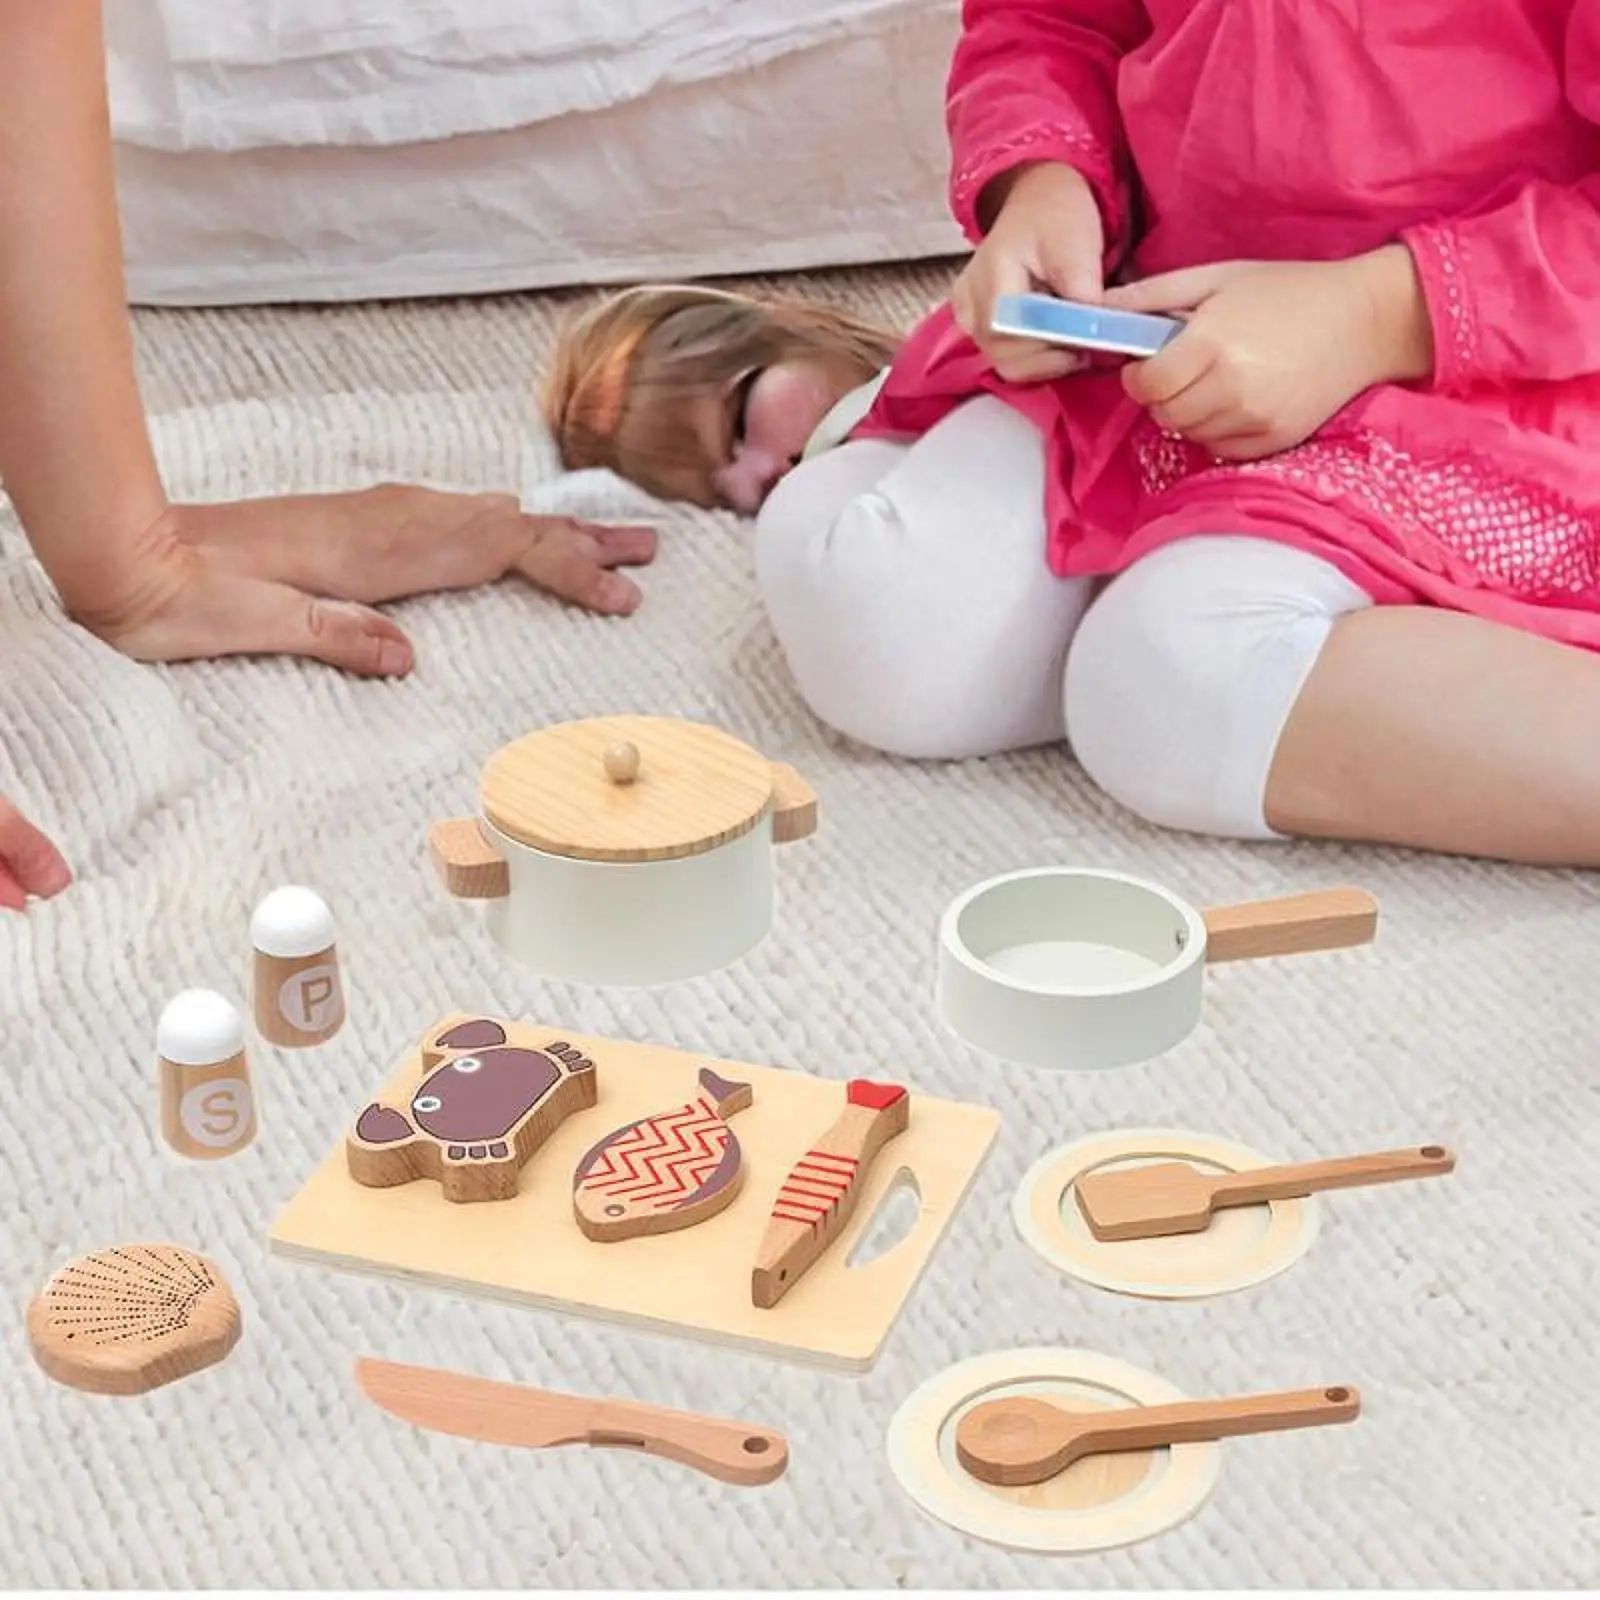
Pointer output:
x,y
299,995
207,1104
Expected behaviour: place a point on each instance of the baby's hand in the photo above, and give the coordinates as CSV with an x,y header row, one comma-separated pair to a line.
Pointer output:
x,y
29,864
1273,349
1047,236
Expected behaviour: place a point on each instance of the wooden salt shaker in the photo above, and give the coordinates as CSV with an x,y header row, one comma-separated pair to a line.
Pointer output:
x,y
298,992
207,1105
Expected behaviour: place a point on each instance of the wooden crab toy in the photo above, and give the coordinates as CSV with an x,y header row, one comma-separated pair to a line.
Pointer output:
x,y
481,1111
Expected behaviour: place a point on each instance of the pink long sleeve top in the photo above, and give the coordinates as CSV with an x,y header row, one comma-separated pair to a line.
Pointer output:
x,y
1216,130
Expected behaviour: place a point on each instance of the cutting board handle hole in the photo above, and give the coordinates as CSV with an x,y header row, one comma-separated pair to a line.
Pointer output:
x,y
1336,1397
755,1445
892,1222
1434,1152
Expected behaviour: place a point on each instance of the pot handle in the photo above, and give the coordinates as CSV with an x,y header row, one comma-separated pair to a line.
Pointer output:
x,y
794,805
1330,919
468,865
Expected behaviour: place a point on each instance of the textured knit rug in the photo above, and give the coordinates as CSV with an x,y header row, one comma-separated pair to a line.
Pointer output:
x,y
1464,1310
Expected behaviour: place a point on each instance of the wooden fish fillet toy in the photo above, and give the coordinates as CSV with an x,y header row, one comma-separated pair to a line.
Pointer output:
x,y
821,1191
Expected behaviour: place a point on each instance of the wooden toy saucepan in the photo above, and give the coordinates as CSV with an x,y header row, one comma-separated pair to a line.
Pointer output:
x,y
1081,969
625,850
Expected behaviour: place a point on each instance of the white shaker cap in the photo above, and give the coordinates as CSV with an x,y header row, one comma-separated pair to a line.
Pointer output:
x,y
199,1028
292,922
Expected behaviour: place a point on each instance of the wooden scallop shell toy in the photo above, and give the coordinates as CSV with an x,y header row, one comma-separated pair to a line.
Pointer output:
x,y
628,851
132,1318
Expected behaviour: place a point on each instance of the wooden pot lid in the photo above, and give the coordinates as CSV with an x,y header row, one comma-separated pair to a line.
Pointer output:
x,y
1101,1503
1244,1246
626,789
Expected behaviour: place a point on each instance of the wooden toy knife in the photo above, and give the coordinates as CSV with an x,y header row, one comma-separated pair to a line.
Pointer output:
x,y
513,1414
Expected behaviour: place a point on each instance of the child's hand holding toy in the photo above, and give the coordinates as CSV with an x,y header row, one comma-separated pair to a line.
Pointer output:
x,y
1047,235
1273,349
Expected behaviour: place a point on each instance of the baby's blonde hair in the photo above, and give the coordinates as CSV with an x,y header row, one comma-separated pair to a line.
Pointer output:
x,y
624,373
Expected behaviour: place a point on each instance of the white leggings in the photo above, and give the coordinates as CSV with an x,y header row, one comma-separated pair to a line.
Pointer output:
x,y
908,588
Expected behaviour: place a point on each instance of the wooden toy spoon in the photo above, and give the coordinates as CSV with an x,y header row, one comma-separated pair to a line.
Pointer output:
x,y
511,1414
1173,1197
1026,1439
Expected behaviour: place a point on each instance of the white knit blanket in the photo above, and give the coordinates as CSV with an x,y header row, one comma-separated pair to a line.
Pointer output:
x,y
1464,1309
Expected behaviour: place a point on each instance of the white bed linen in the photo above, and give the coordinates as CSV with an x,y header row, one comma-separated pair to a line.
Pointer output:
x,y
330,149
231,75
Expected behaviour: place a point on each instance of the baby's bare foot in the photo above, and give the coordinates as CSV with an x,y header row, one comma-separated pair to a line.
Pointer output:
x,y
395,541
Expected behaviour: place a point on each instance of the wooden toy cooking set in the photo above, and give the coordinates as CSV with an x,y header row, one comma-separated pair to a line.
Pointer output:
x,y
722,1200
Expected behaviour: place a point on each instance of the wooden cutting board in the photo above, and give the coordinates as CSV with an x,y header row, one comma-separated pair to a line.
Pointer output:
x,y
696,1283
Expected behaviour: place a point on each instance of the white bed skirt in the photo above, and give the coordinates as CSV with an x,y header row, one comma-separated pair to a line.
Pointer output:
x,y
471,146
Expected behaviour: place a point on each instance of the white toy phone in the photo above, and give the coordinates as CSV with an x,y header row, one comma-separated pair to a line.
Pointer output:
x,y
1083,327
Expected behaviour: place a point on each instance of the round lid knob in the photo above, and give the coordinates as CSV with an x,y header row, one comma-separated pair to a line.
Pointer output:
x,y
626,789
622,761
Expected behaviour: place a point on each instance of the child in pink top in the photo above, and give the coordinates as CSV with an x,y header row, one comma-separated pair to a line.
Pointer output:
x,y
1384,222
1329,564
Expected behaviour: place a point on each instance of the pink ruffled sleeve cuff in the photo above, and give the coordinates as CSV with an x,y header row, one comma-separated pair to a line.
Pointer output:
x,y
1053,142
1443,261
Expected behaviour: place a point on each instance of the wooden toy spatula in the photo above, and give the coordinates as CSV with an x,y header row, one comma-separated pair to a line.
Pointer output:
x,y
511,1414
1026,1439
1173,1197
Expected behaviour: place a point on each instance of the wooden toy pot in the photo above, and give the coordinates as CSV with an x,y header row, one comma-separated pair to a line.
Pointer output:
x,y
1071,968
625,851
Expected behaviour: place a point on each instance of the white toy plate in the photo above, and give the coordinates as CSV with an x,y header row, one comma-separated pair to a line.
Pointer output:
x,y
1243,1246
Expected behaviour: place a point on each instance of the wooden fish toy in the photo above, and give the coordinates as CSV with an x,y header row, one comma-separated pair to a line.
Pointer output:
x,y
477,1117
822,1189
664,1172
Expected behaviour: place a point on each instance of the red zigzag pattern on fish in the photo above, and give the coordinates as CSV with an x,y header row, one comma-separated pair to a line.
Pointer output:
x,y
668,1139
666,1155
643,1175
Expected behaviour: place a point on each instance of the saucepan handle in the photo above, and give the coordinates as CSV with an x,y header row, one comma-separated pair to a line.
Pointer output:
x,y
468,865
1329,919
794,805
